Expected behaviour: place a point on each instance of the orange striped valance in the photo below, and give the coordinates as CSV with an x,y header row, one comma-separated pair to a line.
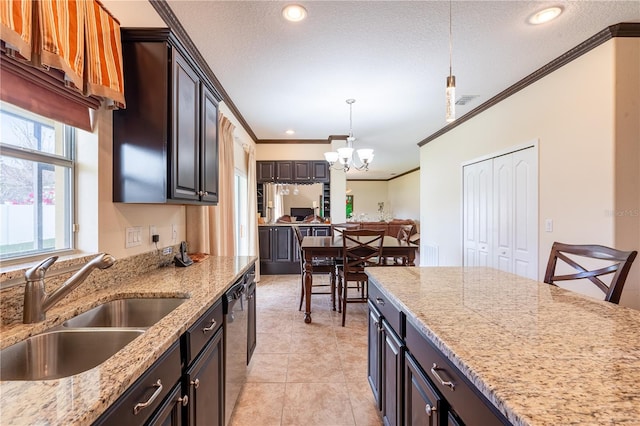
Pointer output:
x,y
79,38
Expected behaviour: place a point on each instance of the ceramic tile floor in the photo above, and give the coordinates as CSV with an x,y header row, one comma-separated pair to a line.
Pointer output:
x,y
306,374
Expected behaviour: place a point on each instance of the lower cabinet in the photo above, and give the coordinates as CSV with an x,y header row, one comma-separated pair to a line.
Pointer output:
x,y
170,412
413,383
204,381
251,313
278,247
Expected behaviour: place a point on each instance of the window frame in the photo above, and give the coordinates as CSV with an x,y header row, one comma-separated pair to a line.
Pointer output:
x,y
67,160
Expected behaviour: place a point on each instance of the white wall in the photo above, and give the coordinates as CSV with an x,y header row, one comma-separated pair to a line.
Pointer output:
x,y
404,196
571,112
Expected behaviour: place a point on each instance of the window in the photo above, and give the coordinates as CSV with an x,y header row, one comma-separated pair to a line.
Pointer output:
x,y
36,184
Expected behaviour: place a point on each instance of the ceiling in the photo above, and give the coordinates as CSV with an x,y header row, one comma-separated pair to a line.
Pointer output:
x,y
391,56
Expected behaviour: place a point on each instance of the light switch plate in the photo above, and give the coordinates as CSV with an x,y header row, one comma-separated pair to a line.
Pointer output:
x,y
548,225
133,236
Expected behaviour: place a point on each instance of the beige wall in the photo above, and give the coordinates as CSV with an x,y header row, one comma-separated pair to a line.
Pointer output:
x,y
366,196
404,196
291,151
573,116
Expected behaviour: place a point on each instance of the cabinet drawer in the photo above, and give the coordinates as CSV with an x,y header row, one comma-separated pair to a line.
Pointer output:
x,y
143,397
393,316
199,334
464,399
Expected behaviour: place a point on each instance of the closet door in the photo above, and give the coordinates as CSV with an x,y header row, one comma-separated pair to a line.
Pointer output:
x,y
477,194
503,202
525,217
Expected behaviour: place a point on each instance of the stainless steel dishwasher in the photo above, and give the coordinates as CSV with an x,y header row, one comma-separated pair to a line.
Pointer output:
x,y
239,310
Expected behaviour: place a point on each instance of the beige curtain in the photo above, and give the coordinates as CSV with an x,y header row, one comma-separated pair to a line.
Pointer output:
x,y
252,204
211,229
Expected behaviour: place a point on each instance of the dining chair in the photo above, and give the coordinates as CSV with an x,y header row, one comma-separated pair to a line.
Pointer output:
x,y
404,234
320,265
619,265
360,248
338,228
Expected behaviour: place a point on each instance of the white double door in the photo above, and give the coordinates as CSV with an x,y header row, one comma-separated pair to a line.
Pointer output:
x,y
500,213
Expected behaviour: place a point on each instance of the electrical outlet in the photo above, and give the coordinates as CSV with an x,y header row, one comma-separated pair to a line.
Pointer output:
x,y
174,232
152,231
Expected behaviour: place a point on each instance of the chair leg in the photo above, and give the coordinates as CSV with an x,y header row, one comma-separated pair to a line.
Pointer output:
x,y
344,301
332,278
339,291
301,292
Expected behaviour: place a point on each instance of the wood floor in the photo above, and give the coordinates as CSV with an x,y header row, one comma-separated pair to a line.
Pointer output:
x,y
306,374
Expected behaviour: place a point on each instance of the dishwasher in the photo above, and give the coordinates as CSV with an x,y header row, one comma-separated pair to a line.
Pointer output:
x,y
239,320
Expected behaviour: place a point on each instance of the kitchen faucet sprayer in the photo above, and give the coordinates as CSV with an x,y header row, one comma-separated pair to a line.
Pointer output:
x,y
37,302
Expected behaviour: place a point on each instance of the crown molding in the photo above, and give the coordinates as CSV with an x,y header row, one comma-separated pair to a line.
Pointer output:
x,y
626,29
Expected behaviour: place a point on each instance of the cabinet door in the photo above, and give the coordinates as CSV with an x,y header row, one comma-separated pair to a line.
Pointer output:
x,y
374,368
392,369
185,144
266,171
209,147
205,381
282,244
171,412
265,235
322,231
284,170
301,171
320,171
422,403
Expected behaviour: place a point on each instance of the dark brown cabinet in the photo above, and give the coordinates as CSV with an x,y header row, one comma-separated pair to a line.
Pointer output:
x,y
165,143
297,171
422,403
205,382
170,412
278,247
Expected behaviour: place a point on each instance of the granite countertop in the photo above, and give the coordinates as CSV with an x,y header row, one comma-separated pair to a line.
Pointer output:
x,y
80,399
541,354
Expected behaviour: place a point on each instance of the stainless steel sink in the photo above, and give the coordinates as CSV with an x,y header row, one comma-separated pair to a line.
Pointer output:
x,y
62,353
137,312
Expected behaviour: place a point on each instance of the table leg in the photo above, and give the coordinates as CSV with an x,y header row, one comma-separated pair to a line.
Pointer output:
x,y
411,258
308,268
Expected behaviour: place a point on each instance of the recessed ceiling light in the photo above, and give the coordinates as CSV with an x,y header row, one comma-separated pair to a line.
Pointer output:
x,y
545,15
294,13
290,132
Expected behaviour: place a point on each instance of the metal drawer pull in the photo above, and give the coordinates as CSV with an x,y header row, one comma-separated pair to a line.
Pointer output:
x,y
442,382
195,383
429,409
211,326
184,400
380,301
140,405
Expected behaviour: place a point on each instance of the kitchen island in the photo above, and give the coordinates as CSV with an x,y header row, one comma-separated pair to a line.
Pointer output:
x,y
538,354
80,399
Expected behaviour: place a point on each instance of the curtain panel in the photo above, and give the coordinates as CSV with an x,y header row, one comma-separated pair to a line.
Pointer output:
x,y
78,38
16,26
210,229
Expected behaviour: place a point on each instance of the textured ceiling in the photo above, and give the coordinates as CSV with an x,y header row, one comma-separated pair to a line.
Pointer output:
x,y
391,56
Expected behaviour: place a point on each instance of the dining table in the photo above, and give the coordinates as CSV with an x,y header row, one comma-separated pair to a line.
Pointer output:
x,y
331,247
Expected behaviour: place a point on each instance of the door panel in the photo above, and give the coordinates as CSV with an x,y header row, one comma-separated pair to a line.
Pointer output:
x,y
526,213
503,212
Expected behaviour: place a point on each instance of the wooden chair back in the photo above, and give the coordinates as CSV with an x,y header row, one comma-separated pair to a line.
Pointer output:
x,y
360,248
621,263
405,232
338,228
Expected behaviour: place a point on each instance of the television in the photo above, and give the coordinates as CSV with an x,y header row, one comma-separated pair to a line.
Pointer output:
x,y
301,212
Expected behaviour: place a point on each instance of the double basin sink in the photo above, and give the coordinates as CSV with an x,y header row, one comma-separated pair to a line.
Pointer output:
x,y
84,341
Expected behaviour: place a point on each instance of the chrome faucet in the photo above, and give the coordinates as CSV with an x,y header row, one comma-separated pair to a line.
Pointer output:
x,y
37,302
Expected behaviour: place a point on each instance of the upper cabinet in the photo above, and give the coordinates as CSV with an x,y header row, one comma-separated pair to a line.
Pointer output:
x,y
165,144
297,171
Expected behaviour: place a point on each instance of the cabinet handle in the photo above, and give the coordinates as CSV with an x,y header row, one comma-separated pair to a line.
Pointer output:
x,y
429,409
434,369
195,383
380,301
184,400
211,326
141,405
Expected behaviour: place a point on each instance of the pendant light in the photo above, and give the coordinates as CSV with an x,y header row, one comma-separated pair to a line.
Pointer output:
x,y
450,92
344,158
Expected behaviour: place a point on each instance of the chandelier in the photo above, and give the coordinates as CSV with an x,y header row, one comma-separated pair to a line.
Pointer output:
x,y
450,92
344,158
